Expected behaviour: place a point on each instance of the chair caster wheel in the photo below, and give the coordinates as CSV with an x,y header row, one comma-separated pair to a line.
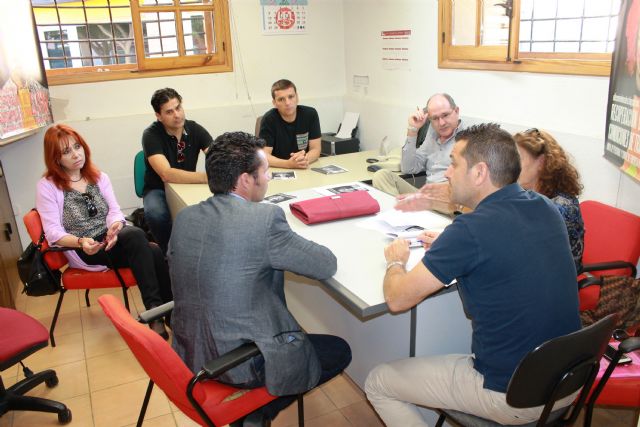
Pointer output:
x,y
64,417
51,382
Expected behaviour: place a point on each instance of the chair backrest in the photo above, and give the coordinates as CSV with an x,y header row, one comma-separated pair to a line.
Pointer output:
x,y
33,223
258,121
139,169
611,234
161,363
574,357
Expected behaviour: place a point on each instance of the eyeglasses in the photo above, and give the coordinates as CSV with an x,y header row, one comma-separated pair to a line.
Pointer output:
x,y
181,147
542,143
443,116
91,207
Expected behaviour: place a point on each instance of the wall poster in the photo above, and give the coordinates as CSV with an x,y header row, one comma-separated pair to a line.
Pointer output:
x,y
622,144
24,95
395,49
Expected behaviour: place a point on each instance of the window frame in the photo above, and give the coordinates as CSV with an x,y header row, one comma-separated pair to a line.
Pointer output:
x,y
508,58
218,62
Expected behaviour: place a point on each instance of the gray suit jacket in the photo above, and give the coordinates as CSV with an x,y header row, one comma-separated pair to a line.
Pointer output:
x,y
227,259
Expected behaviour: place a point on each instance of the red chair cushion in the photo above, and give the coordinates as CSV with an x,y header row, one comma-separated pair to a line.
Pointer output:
x,y
21,334
589,297
623,387
168,371
76,278
611,234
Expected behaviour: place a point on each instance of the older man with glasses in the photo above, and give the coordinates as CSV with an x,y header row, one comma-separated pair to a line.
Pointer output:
x,y
431,135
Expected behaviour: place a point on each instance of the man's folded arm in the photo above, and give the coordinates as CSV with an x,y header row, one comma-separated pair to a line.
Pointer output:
x,y
161,165
291,252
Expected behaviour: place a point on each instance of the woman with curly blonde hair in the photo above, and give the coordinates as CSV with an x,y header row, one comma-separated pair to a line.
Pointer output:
x,y
547,170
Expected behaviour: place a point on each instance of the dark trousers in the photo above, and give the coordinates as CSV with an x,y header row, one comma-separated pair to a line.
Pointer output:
x,y
334,354
145,260
158,217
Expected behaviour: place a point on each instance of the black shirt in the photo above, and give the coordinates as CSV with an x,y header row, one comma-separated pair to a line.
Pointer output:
x,y
156,140
287,138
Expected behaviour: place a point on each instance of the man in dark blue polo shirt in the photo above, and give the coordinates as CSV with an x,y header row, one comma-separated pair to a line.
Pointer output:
x,y
516,278
171,147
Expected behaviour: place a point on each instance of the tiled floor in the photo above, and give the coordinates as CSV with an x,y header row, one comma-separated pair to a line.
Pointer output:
x,y
103,385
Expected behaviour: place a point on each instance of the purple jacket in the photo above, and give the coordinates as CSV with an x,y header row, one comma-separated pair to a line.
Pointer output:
x,y
50,201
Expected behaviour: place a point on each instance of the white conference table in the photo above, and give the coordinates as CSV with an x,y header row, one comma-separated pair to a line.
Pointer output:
x,y
437,326
181,195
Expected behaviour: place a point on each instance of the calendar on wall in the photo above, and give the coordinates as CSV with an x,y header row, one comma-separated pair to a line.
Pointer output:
x,y
284,16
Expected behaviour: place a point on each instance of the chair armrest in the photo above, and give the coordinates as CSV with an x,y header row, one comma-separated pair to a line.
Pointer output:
x,y
630,344
229,360
412,175
610,265
155,313
57,249
588,281
214,368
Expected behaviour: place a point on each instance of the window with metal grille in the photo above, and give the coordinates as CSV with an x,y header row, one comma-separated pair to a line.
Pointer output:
x,y
120,39
554,36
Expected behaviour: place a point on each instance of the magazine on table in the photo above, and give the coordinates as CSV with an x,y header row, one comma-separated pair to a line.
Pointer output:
x,y
283,175
279,198
330,169
348,187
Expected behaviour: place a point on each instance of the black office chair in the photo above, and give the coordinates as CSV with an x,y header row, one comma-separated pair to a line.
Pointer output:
x,y
550,372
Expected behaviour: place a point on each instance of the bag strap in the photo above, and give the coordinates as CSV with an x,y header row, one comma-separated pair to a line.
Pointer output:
x,y
40,241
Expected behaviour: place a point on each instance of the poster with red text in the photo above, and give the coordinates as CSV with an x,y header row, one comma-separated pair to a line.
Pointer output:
x,y
622,144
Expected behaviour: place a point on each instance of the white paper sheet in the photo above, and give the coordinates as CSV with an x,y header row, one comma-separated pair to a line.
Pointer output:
x,y
402,220
349,123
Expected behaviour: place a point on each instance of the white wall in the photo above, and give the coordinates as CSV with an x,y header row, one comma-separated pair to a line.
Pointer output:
x,y
343,40
573,108
112,115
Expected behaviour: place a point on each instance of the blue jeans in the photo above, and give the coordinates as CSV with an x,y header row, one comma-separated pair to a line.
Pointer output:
x,y
158,217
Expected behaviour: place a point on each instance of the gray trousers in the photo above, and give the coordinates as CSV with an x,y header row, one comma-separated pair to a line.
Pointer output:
x,y
391,183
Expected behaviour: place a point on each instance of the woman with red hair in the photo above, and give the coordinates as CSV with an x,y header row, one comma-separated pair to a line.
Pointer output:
x,y
79,210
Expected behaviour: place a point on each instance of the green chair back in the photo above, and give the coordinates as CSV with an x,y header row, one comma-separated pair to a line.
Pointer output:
x,y
139,168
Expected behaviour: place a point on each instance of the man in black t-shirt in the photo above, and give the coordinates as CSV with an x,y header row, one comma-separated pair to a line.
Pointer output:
x,y
171,147
291,131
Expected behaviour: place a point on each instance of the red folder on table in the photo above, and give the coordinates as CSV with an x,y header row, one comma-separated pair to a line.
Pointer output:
x,y
344,205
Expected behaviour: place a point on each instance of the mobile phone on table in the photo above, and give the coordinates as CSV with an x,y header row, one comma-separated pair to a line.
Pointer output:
x,y
611,350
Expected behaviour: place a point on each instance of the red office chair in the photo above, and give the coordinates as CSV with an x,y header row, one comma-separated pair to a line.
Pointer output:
x,y
611,246
75,278
201,398
618,385
22,336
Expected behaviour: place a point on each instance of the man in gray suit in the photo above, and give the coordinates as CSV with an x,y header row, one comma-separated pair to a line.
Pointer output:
x,y
227,257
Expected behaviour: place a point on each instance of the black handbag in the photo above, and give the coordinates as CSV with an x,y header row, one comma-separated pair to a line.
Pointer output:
x,y
37,278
